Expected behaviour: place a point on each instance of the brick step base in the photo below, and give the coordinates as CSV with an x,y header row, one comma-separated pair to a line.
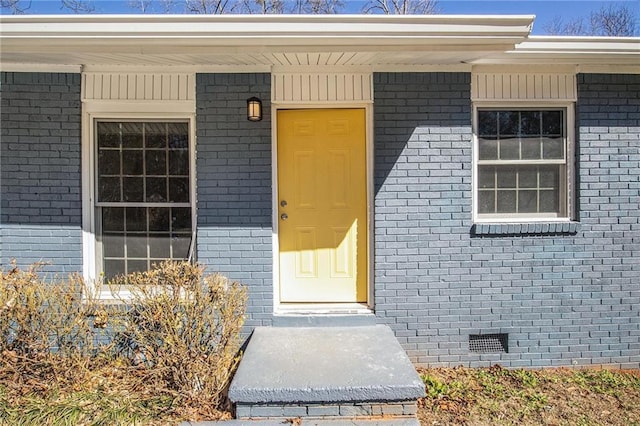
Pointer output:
x,y
327,411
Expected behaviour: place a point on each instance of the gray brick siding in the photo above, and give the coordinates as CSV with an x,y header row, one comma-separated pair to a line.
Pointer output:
x,y
564,299
234,185
40,183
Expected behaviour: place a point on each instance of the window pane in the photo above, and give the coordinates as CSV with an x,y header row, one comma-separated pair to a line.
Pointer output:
x,y
179,162
132,135
181,219
530,148
510,149
179,190
113,268
112,219
113,245
508,123
108,135
136,266
530,123
160,246
486,202
550,177
159,218
156,162
549,202
506,177
527,201
136,219
156,190
553,149
109,189
178,135
552,123
506,202
488,149
180,245
133,189
136,246
132,162
528,177
486,177
109,162
155,135
487,123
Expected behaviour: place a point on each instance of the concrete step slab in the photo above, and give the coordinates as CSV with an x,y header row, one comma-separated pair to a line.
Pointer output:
x,y
283,365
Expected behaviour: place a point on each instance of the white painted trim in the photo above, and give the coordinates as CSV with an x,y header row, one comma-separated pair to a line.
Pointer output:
x,y
321,87
122,109
288,308
523,86
461,67
570,192
524,69
608,69
55,68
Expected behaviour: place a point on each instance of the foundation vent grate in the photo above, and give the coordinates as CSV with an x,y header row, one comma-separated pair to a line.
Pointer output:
x,y
489,343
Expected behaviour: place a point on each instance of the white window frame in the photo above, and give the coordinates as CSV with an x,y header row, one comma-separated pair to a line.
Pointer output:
x,y
117,111
569,191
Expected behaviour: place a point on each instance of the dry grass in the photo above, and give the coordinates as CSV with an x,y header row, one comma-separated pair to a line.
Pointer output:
x,y
497,396
164,356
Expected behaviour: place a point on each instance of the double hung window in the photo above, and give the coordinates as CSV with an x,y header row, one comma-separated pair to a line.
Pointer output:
x,y
522,164
143,201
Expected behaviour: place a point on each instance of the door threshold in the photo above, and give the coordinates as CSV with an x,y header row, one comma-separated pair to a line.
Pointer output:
x,y
323,309
323,315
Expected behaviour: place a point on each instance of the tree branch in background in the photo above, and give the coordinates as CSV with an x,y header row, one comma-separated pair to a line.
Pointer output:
x,y
210,7
401,7
609,21
17,7
78,6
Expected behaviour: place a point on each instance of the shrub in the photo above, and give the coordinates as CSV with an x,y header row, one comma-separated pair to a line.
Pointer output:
x,y
182,330
164,354
44,332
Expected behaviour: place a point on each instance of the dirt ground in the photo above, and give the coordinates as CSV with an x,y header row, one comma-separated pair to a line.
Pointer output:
x,y
497,396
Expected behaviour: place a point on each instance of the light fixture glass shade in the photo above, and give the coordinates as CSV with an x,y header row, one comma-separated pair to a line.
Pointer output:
x,y
254,109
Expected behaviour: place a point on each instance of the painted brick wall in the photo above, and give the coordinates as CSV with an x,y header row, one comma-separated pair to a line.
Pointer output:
x,y
234,185
563,299
40,217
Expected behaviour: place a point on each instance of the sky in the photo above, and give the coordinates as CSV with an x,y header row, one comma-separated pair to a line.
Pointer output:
x,y
545,10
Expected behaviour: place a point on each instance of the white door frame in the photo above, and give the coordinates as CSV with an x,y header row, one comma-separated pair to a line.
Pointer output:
x,y
279,307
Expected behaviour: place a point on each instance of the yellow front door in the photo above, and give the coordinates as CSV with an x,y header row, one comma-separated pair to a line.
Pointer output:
x,y
322,205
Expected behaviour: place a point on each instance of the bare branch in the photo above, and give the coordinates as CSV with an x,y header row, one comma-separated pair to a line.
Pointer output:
x,y
17,7
614,20
401,7
78,6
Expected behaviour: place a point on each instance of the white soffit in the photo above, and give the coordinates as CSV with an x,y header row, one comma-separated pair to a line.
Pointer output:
x,y
256,42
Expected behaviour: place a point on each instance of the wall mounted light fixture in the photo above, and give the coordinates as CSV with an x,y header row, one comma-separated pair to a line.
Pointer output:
x,y
254,109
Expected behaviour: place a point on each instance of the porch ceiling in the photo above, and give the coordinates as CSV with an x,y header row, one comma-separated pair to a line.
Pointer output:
x,y
256,42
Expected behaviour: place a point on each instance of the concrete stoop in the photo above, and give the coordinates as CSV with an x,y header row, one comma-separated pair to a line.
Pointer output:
x,y
323,375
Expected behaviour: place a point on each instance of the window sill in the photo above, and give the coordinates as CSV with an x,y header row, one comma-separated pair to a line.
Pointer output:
x,y
533,228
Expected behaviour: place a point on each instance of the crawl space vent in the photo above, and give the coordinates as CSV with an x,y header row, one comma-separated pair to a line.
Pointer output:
x,y
488,343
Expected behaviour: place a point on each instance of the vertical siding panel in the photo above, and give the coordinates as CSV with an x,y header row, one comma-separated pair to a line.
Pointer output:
x,y
323,93
105,86
115,86
340,87
123,86
157,87
131,89
88,81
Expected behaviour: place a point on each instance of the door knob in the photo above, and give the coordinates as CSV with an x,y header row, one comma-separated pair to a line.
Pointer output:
x,y
284,216
283,203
